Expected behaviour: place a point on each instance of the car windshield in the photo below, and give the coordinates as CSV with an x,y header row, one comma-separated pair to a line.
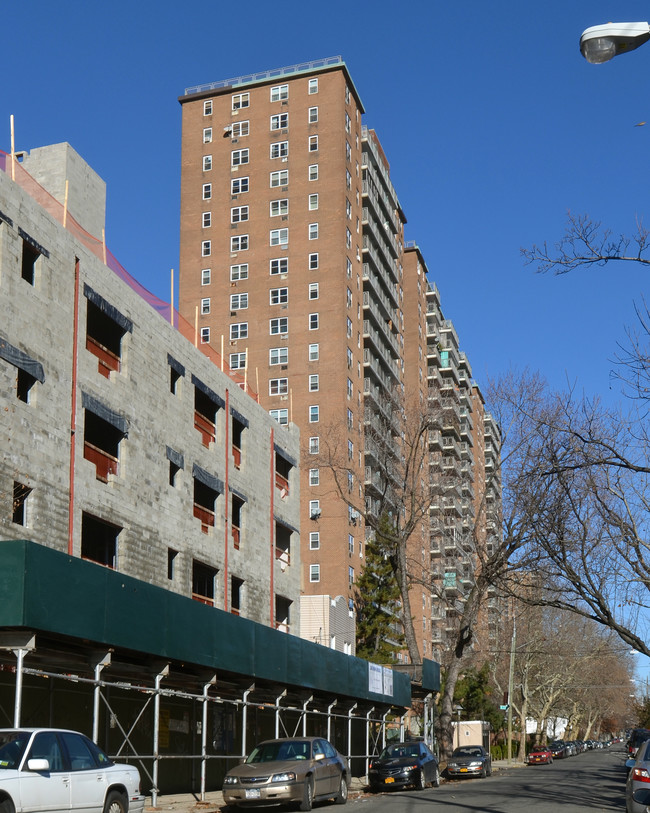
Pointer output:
x,y
467,751
400,750
278,751
12,748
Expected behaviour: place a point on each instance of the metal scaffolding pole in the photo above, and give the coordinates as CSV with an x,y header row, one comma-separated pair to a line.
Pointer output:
x,y
304,715
244,716
204,733
103,661
329,719
156,735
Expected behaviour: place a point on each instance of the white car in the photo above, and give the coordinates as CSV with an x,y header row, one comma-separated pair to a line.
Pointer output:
x,y
52,770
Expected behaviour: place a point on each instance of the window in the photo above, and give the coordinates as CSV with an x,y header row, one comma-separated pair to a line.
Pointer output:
x,y
348,123
313,172
313,231
278,386
349,298
239,185
171,562
279,207
206,248
238,302
203,580
279,178
350,450
348,209
239,128
313,115
280,122
279,296
238,214
314,540
313,143
350,358
313,383
278,355
350,390
350,419
314,508
280,415
351,486
207,135
351,575
314,413
205,276
314,573
279,93
349,269
313,202
238,157
205,335
20,500
348,151
313,321
279,237
239,330
313,262
99,541
279,265
313,86
207,107
102,439
207,191
239,242
348,238
313,290
277,326
314,444
280,149
238,272
205,305
206,220
314,477
104,335
207,163
313,352
348,179
240,100
237,361
350,544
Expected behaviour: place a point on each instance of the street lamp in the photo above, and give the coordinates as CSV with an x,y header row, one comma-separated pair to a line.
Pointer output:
x,y
600,43
458,710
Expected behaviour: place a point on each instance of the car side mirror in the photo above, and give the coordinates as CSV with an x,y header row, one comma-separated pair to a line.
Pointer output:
x,y
242,760
38,765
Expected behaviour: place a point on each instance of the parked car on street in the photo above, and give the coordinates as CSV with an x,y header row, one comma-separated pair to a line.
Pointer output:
x,y
559,749
469,760
301,769
404,763
540,755
45,769
638,778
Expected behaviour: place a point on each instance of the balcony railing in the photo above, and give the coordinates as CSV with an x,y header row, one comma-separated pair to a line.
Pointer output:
x,y
105,463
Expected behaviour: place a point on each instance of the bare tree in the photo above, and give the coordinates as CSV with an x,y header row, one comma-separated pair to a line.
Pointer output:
x,y
586,243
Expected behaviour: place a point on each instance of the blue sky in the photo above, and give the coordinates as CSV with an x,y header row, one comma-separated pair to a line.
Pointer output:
x,y
493,124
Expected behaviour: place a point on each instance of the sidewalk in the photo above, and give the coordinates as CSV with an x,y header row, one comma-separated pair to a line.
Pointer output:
x,y
190,803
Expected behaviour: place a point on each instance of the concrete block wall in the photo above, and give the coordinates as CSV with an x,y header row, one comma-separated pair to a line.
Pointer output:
x,y
154,516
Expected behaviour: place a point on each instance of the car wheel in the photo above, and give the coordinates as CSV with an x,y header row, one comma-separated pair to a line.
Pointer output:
x,y
307,795
115,803
342,795
436,777
489,773
7,806
483,773
420,780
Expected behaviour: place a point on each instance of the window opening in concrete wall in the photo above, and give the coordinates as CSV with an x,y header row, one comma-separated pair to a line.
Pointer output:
x,y
205,500
203,583
24,384
29,260
236,595
282,545
99,541
20,500
282,614
237,441
282,471
102,445
205,416
171,563
236,520
174,468
104,339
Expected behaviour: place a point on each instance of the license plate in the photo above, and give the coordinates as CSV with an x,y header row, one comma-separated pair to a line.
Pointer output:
x,y
388,780
463,770
255,793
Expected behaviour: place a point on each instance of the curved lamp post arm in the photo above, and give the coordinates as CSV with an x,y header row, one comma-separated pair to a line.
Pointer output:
x,y
600,43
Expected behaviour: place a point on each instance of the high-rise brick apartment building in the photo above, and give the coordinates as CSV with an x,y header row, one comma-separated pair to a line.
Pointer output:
x,y
293,265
